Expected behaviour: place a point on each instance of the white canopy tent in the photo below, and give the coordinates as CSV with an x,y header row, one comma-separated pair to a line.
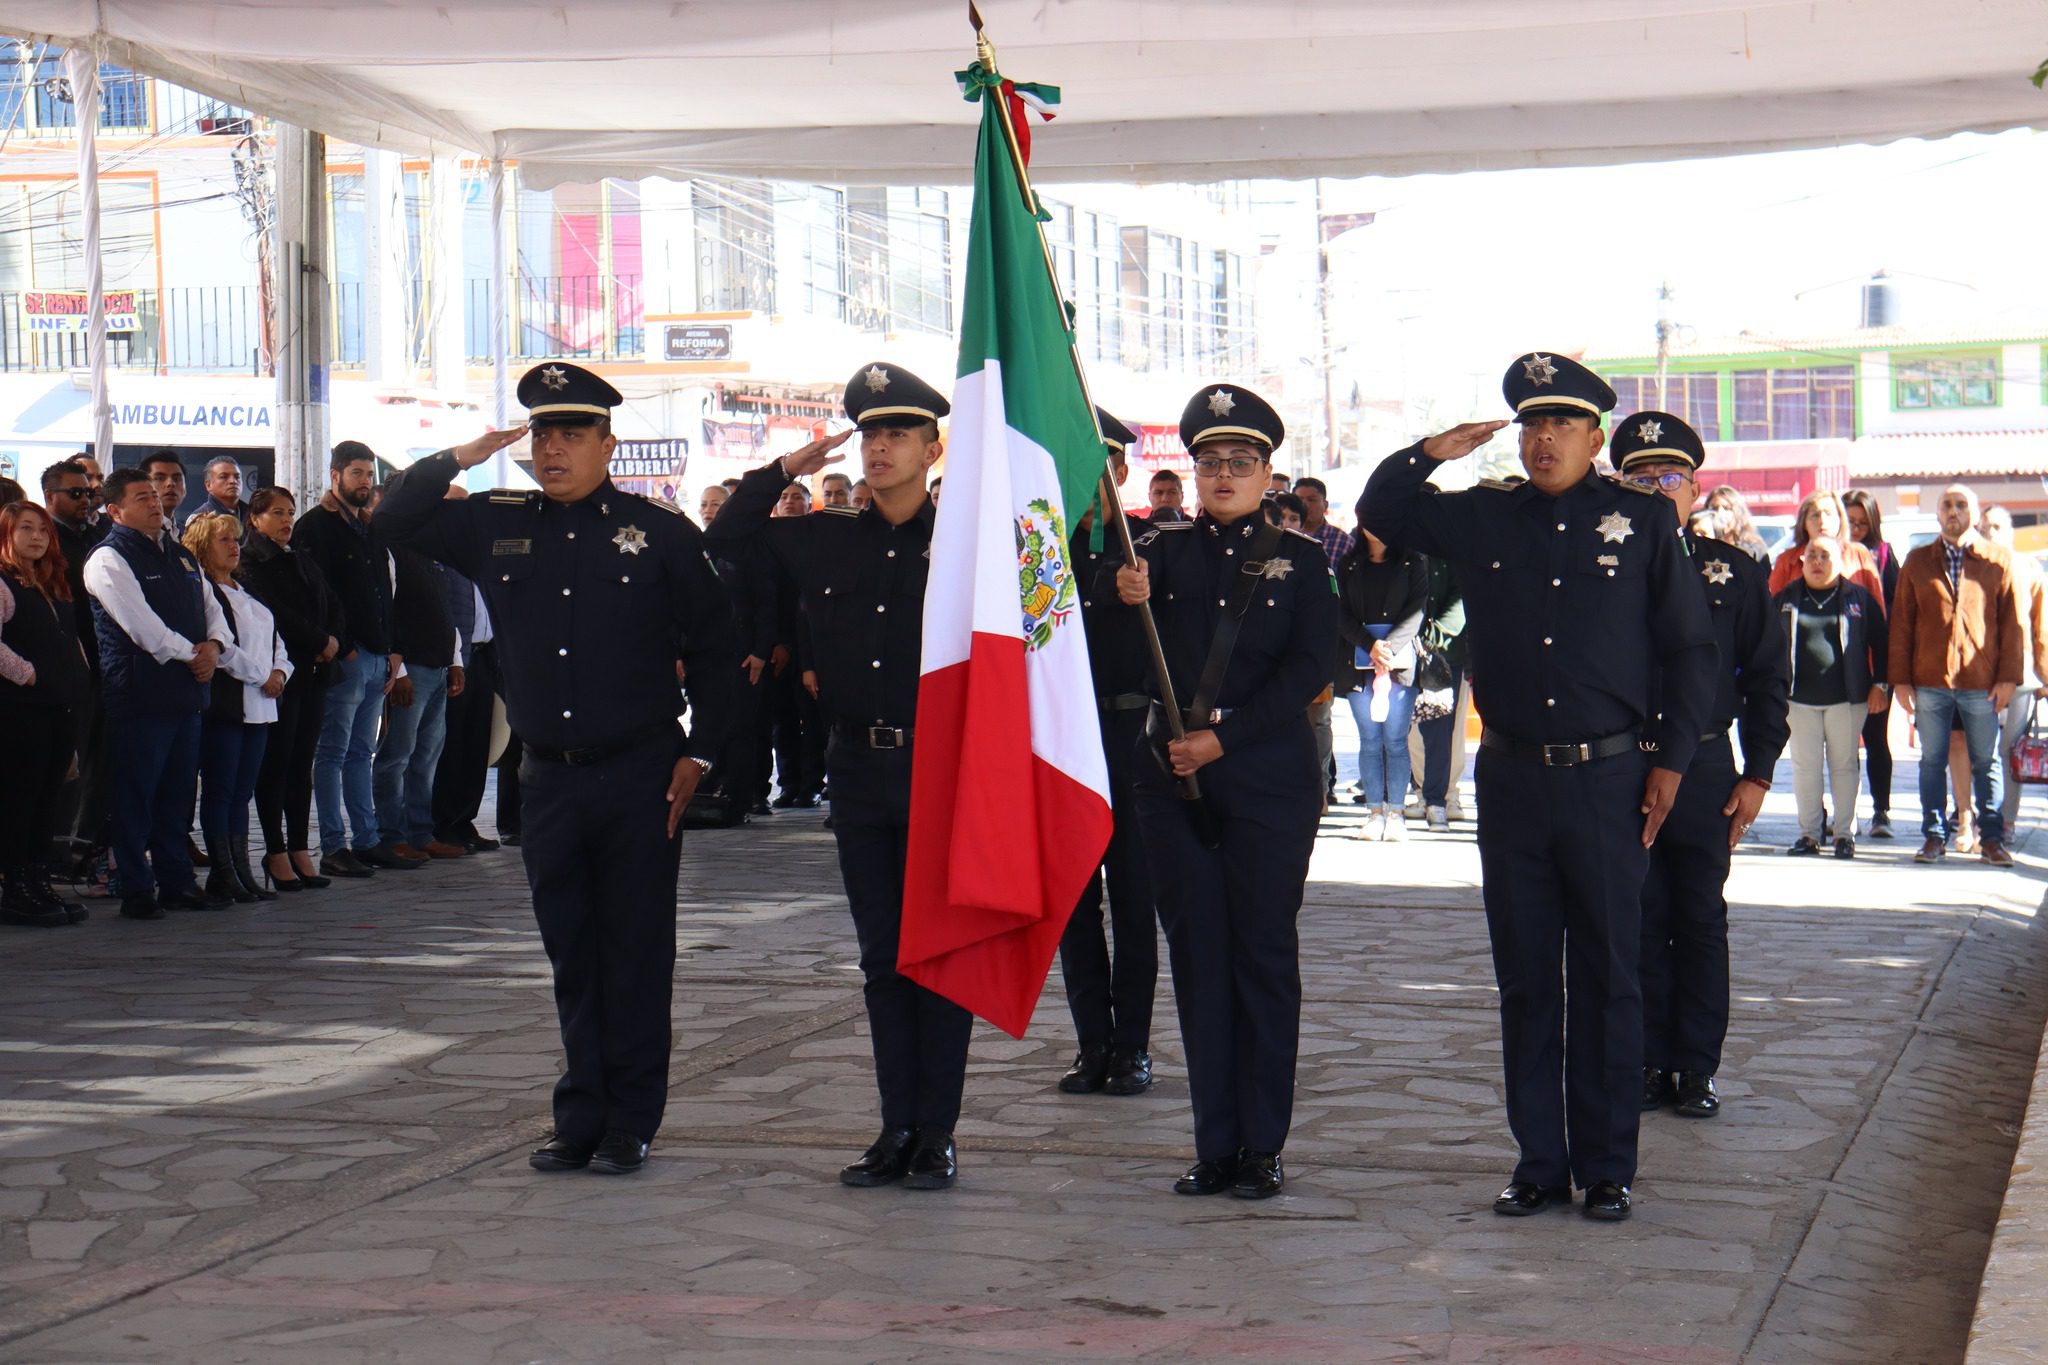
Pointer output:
x,y
856,91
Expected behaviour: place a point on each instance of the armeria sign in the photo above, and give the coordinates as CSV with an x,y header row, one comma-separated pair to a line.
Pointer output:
x,y
194,416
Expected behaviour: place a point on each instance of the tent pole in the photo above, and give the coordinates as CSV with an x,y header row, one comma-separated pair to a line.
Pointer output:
x,y
82,68
501,343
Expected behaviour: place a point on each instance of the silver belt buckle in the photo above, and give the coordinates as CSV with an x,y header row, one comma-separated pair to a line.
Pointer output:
x,y
884,737
1563,755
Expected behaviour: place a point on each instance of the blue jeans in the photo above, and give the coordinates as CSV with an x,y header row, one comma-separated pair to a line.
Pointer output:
x,y
341,760
230,756
1935,710
404,771
152,770
1383,745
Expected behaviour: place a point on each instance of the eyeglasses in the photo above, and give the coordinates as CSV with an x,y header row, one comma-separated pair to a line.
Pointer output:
x,y
1240,466
1670,481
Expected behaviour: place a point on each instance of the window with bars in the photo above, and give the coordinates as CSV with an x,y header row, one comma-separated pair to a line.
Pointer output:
x,y
735,246
1807,404
1695,397
1945,381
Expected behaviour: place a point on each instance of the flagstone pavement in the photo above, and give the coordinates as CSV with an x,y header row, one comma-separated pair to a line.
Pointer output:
x,y
297,1133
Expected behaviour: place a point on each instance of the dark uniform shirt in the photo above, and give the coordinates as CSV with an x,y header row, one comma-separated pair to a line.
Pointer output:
x,y
1287,643
1118,658
861,584
1751,683
1559,591
592,604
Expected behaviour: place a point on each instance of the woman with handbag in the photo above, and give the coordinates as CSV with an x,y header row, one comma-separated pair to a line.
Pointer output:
x,y
242,707
1382,592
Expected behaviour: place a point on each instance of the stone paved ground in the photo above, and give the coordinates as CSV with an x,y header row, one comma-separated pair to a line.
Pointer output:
x,y
297,1133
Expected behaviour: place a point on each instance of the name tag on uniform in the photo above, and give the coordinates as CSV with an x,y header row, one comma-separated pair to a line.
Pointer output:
x,y
1610,561
511,547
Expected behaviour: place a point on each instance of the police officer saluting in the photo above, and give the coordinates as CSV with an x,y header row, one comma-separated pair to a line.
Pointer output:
x,y
860,576
1684,962
1247,614
1110,994
597,595
1577,587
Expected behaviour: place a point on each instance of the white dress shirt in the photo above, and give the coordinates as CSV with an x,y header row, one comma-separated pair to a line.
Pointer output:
x,y
110,579
256,653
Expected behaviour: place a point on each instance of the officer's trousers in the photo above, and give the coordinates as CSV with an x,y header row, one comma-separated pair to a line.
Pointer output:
x,y
920,1037
1229,915
603,873
1561,853
1684,958
1109,996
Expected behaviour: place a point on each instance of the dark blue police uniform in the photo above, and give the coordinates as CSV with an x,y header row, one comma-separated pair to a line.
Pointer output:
x,y
594,603
1572,599
1229,911
1684,961
1110,995
861,584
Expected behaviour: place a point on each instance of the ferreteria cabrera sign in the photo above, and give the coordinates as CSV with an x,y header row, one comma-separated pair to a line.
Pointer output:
x,y
662,459
51,311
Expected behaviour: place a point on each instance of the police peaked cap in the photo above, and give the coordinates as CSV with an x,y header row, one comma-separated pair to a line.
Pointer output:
x,y
1545,384
1114,433
561,394
881,395
1655,436
1230,412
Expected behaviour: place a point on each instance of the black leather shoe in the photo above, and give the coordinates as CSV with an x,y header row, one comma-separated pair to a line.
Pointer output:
x,y
806,801
474,842
1697,1098
191,898
1608,1202
884,1162
1130,1072
387,857
560,1154
619,1154
343,863
934,1165
1657,1088
143,906
1259,1176
1208,1177
1086,1075
512,840
1522,1198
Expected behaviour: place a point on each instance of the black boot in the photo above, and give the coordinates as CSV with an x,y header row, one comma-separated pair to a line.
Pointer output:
x,y
19,906
238,861
76,914
221,882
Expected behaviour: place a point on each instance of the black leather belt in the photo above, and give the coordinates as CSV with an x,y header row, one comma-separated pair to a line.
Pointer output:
x,y
872,736
1123,701
598,753
1557,755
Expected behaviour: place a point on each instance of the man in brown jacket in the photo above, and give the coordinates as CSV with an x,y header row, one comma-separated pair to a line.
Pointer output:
x,y
1956,651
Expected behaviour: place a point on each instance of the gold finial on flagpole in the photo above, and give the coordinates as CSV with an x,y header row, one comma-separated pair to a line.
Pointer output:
x,y
984,50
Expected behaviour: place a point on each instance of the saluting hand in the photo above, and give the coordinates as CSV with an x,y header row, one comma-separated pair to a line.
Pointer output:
x,y
816,455
1659,792
1134,584
470,454
682,785
1460,440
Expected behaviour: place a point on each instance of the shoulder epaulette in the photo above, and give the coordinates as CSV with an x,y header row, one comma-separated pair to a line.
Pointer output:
x,y
1625,485
665,505
512,495
841,511
1154,533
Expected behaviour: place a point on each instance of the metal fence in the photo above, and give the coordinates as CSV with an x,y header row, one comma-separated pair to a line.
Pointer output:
x,y
186,330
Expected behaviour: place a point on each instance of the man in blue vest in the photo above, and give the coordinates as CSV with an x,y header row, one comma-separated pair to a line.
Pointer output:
x,y
160,636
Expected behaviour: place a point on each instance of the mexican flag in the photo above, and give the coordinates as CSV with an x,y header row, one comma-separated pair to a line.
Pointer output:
x,y
1009,795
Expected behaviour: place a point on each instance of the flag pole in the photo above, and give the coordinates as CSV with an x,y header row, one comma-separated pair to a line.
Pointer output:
x,y
1106,494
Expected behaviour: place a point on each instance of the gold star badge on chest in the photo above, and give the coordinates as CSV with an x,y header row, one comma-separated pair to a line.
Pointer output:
x,y
1614,528
631,540
1277,568
1717,571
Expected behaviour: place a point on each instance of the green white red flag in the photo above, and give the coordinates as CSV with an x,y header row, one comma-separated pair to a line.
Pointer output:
x,y
1009,797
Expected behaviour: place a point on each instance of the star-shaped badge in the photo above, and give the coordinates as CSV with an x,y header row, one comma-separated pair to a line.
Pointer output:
x,y
1278,568
1651,431
631,540
1538,369
1717,571
1220,404
555,377
878,379
1614,528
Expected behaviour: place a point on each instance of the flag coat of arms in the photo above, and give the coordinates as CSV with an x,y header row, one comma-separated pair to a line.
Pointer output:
x,y
1009,798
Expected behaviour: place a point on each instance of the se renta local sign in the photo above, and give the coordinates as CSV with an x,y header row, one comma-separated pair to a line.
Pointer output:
x,y
696,341
62,311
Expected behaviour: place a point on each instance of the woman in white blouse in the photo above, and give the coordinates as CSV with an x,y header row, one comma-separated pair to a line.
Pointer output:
x,y
252,674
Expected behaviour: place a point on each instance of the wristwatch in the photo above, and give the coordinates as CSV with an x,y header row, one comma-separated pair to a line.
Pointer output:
x,y
703,765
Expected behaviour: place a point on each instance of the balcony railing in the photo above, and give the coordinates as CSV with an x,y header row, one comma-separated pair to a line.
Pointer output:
x,y
185,330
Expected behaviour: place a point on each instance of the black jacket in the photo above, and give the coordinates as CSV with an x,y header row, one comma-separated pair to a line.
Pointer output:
x,y
76,545
1395,593
1865,641
354,565
296,592
422,631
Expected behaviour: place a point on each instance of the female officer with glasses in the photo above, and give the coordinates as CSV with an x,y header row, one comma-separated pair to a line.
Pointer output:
x,y
1247,614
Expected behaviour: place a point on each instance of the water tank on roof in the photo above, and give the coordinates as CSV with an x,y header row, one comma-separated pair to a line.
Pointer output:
x,y
1880,301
